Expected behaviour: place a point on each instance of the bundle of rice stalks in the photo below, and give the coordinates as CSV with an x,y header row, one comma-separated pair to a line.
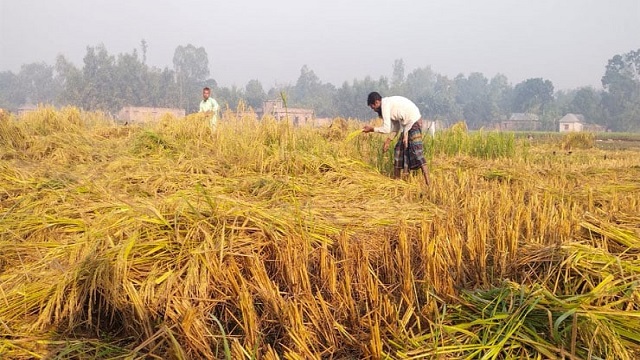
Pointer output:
x,y
12,137
149,142
352,135
515,321
578,140
459,127
109,132
47,120
337,129
500,175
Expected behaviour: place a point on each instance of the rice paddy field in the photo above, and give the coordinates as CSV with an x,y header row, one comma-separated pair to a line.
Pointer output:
x,y
265,241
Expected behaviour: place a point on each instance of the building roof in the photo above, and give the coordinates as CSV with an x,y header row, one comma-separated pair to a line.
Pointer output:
x,y
524,117
27,107
572,118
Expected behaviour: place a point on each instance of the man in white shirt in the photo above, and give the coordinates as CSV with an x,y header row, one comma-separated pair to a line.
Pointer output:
x,y
209,105
400,115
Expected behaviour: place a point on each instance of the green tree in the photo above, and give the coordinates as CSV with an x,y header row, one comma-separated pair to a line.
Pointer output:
x,y
11,96
132,81
191,63
532,96
228,97
191,66
588,102
144,46
34,84
398,78
440,104
500,97
37,82
349,102
325,105
254,94
70,79
308,83
98,86
163,90
310,92
473,97
351,99
621,98
420,84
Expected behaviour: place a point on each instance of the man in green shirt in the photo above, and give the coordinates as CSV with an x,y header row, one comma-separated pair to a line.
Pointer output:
x,y
209,105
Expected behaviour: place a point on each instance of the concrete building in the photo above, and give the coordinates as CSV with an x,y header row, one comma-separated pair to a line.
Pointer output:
x,y
276,108
577,122
521,122
27,108
570,123
133,114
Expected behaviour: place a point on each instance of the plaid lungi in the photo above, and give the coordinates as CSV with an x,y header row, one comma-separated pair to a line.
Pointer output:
x,y
413,155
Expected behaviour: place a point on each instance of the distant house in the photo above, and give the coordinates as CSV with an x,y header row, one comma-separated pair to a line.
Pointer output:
x,y
27,108
571,122
276,108
521,122
133,114
576,122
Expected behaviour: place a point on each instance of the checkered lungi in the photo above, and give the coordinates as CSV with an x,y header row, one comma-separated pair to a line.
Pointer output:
x,y
413,155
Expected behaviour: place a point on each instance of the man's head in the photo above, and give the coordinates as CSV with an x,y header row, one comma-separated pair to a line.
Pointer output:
x,y
206,92
374,100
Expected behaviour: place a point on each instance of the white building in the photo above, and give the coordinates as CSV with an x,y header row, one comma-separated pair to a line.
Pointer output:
x,y
571,122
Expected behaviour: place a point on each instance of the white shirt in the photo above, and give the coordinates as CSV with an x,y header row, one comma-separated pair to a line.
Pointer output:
x,y
399,112
210,105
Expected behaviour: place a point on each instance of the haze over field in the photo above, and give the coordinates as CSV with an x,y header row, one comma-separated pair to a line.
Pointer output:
x,y
568,42
139,221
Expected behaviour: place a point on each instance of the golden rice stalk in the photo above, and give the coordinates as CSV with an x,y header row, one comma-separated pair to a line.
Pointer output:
x,y
352,135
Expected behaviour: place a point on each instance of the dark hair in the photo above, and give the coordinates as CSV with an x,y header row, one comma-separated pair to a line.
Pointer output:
x,y
373,97
206,89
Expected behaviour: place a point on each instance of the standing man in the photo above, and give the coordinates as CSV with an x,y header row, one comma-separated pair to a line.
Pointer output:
x,y
400,115
209,105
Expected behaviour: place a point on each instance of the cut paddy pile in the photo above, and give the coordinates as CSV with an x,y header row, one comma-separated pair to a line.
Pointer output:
x,y
266,241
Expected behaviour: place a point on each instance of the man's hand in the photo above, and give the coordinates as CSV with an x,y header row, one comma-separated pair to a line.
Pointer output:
x,y
367,129
385,147
405,140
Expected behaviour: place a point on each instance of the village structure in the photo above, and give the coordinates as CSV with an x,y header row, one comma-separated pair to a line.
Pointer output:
x,y
276,108
531,122
520,122
26,108
577,122
139,115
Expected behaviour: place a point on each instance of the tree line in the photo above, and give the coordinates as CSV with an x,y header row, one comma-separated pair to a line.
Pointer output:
x,y
109,82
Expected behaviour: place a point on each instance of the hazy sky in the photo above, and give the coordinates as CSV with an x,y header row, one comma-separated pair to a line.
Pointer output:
x,y
565,41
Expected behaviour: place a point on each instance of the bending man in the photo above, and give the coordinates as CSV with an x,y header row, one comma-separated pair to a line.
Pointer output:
x,y
400,115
